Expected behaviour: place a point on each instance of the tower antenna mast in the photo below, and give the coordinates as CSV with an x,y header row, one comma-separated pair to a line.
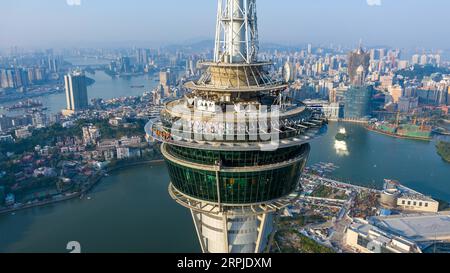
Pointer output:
x,y
236,32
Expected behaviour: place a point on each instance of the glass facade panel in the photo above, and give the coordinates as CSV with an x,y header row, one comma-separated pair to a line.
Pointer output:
x,y
238,187
357,102
237,159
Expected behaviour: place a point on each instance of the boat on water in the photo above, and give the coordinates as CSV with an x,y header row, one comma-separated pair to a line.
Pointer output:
x,y
342,135
26,104
322,168
441,131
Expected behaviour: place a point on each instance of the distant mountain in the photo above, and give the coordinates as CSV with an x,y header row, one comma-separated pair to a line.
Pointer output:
x,y
191,45
208,44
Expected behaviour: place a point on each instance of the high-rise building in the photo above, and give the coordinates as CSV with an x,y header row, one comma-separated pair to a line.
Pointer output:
x,y
13,78
53,64
357,60
236,145
191,67
164,78
8,78
396,93
288,72
167,81
415,59
2,194
90,134
76,92
386,81
406,104
360,77
423,59
125,65
375,54
357,97
357,102
4,83
5,123
142,56
442,96
409,92
448,95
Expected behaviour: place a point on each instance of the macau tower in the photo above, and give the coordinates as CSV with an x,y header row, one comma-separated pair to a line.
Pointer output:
x,y
236,145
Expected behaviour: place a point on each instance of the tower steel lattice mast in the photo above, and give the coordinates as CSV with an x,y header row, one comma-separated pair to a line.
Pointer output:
x,y
236,32
233,174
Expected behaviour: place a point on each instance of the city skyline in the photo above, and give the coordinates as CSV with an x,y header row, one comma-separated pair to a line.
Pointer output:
x,y
77,23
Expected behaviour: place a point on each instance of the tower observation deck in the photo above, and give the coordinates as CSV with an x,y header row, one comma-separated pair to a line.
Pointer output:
x,y
236,145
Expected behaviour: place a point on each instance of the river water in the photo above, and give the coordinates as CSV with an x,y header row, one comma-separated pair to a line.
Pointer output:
x,y
130,211
367,158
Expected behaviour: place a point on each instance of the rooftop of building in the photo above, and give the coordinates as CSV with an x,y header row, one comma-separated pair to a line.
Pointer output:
x,y
394,187
415,196
417,227
76,73
386,239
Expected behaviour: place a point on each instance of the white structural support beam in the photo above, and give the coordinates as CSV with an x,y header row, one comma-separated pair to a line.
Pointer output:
x,y
225,229
236,32
196,217
232,234
261,233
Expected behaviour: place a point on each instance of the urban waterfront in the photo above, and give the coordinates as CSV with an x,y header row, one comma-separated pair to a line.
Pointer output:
x,y
105,87
130,211
124,213
367,158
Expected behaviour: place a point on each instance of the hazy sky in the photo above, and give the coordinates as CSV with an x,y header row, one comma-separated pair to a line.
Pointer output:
x,y
57,23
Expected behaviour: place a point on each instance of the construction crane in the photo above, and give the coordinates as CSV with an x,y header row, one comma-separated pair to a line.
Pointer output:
x,y
397,120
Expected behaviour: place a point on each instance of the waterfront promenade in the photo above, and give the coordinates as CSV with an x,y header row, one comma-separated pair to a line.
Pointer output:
x,y
339,184
94,180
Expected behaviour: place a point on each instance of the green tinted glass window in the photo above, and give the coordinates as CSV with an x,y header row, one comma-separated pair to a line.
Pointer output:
x,y
237,187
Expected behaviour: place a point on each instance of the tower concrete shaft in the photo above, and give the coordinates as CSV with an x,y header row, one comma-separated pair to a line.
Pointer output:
x,y
236,32
232,232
